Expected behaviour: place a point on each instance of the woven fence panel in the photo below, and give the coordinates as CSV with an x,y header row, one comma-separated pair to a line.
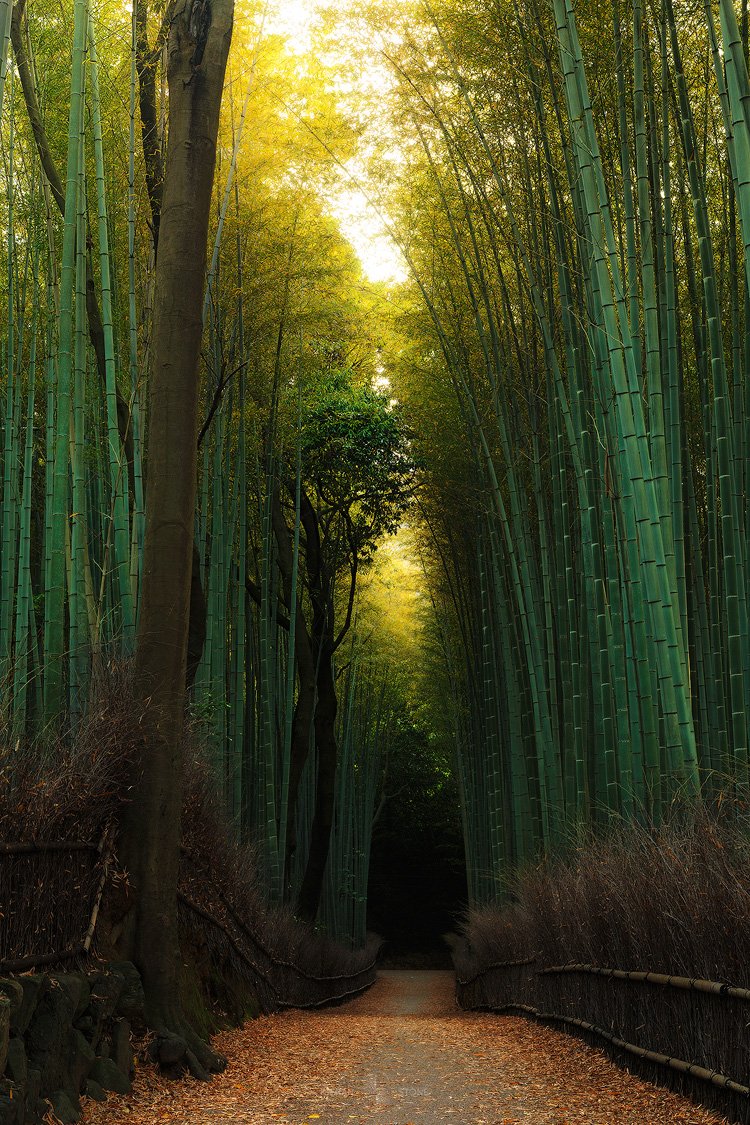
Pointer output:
x,y
47,896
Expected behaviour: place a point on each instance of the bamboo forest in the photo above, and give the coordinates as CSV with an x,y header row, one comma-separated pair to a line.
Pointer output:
x,y
375,561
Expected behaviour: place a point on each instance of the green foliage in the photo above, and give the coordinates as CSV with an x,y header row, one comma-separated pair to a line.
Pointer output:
x,y
284,303
571,201
357,459
573,353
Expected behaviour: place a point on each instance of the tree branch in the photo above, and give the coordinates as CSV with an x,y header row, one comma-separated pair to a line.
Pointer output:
x,y
312,540
146,61
354,565
254,591
221,386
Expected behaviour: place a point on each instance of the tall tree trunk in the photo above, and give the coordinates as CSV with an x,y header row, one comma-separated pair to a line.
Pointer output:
x,y
325,793
147,58
304,710
302,726
198,46
321,590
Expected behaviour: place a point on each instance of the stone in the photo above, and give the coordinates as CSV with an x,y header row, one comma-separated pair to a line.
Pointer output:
x,y
16,1066
132,1002
106,989
94,1091
35,988
196,1067
38,1113
171,1049
87,1025
104,1047
14,992
109,1077
78,989
33,1091
4,1030
48,1039
61,1054
15,1110
121,1051
65,1109
81,1060
11,1111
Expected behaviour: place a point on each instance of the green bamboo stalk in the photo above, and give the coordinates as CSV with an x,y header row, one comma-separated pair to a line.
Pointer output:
x,y
732,560
291,658
139,515
25,622
120,538
10,450
54,645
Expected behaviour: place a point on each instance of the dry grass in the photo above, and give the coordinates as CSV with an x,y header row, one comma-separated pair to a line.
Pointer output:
x,y
223,870
676,901
54,787
59,788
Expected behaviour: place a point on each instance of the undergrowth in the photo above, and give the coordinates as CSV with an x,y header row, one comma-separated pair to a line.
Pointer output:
x,y
241,954
54,786
672,901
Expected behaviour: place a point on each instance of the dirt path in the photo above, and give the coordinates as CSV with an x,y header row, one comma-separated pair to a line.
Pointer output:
x,y
402,1054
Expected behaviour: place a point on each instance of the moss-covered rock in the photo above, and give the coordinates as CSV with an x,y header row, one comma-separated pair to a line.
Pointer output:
x,y
48,1045
122,1047
106,990
33,1094
94,1091
78,989
34,989
131,1004
109,1077
170,1050
65,1109
81,1058
16,1066
13,991
11,1111
12,1107
4,1030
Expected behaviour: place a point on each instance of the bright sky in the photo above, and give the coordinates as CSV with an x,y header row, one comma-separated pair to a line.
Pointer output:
x,y
359,221
295,19
364,228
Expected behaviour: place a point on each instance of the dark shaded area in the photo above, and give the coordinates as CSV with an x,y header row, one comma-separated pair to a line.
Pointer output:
x,y
417,887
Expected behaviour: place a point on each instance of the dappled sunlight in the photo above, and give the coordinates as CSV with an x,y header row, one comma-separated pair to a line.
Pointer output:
x,y
392,603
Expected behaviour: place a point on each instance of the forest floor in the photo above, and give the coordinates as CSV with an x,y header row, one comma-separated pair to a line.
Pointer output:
x,y
402,1054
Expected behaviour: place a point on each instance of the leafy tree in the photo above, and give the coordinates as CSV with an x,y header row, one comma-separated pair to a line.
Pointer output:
x,y
356,480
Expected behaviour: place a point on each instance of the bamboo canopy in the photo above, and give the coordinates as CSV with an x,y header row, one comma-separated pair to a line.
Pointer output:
x,y
572,200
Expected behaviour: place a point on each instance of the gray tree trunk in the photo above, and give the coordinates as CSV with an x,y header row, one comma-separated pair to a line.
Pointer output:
x,y
198,47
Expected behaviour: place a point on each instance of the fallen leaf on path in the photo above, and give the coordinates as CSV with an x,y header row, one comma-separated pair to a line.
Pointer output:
x,y
437,1062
